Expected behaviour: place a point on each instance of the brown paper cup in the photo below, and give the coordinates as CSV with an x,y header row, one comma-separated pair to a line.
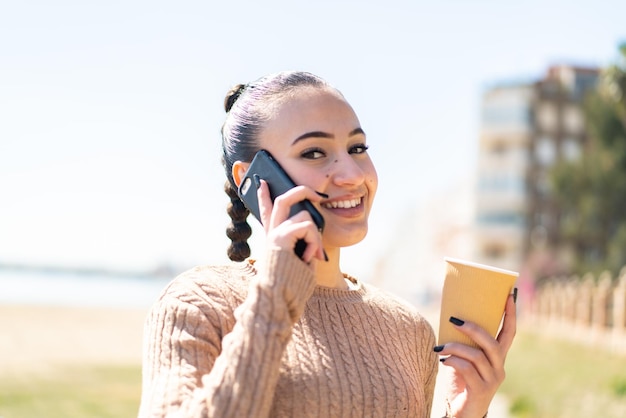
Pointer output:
x,y
473,292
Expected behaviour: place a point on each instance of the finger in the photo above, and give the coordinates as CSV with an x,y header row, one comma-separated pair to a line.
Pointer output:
x,y
490,349
298,227
477,333
284,202
478,393
265,203
473,372
304,228
465,370
509,326
313,246
470,356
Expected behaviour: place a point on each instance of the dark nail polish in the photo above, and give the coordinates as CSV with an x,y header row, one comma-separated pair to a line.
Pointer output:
x,y
325,255
456,321
442,359
515,295
324,195
438,348
257,180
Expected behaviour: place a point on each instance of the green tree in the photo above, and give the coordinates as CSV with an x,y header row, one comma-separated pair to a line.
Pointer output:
x,y
591,191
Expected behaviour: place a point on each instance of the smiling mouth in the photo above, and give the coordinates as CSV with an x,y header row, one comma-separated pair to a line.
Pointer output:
x,y
342,204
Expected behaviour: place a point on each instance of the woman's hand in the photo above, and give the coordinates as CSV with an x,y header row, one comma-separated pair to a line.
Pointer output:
x,y
284,231
478,373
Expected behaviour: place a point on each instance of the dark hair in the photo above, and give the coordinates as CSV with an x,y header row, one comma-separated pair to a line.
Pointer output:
x,y
248,107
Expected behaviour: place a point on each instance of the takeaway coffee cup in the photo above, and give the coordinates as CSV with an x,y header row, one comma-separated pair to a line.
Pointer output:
x,y
473,292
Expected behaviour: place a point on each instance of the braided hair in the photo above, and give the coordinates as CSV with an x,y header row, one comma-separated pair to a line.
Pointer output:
x,y
248,107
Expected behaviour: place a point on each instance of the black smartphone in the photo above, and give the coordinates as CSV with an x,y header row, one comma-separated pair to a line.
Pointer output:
x,y
267,168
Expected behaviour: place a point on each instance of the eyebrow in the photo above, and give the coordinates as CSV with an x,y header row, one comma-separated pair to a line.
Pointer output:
x,y
320,134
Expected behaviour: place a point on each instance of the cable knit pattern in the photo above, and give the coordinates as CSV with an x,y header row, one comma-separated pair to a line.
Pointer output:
x,y
234,341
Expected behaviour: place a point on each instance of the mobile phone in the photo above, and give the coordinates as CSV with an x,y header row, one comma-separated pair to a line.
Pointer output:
x,y
267,168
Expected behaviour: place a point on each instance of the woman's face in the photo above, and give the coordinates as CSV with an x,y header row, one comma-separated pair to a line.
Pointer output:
x,y
317,138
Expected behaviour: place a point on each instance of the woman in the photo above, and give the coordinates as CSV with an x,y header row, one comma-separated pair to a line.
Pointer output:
x,y
296,337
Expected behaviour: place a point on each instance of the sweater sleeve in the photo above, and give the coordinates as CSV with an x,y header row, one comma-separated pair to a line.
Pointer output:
x,y
431,367
190,371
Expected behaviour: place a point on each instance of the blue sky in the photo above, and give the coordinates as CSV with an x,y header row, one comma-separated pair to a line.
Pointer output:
x,y
110,111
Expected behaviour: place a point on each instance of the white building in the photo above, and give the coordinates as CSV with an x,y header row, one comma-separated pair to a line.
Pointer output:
x,y
525,129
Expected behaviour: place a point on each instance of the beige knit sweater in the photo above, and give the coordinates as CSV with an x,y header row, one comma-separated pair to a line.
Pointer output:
x,y
234,341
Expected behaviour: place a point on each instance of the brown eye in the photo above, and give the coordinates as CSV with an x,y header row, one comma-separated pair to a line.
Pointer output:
x,y
358,149
312,154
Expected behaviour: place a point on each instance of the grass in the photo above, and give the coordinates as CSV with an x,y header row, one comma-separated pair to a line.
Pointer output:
x,y
554,378
88,391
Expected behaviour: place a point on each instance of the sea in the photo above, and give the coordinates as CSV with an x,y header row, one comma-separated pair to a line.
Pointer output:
x,y
75,289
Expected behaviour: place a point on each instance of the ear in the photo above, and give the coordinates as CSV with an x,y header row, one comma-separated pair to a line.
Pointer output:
x,y
239,170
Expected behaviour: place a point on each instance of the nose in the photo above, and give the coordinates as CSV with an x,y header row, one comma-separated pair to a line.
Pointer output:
x,y
348,171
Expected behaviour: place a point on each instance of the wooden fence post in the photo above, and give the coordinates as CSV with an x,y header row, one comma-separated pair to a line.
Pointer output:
x,y
543,301
601,311
569,302
619,312
585,310
553,302
602,302
583,304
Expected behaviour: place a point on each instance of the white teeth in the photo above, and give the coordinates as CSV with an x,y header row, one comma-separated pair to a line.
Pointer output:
x,y
344,204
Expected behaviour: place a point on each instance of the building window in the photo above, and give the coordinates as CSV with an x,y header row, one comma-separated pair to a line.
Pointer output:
x,y
545,151
573,119
507,108
571,149
542,184
547,117
506,116
501,182
501,219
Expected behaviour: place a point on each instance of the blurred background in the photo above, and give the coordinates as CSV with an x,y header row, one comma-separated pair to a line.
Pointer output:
x,y
497,129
